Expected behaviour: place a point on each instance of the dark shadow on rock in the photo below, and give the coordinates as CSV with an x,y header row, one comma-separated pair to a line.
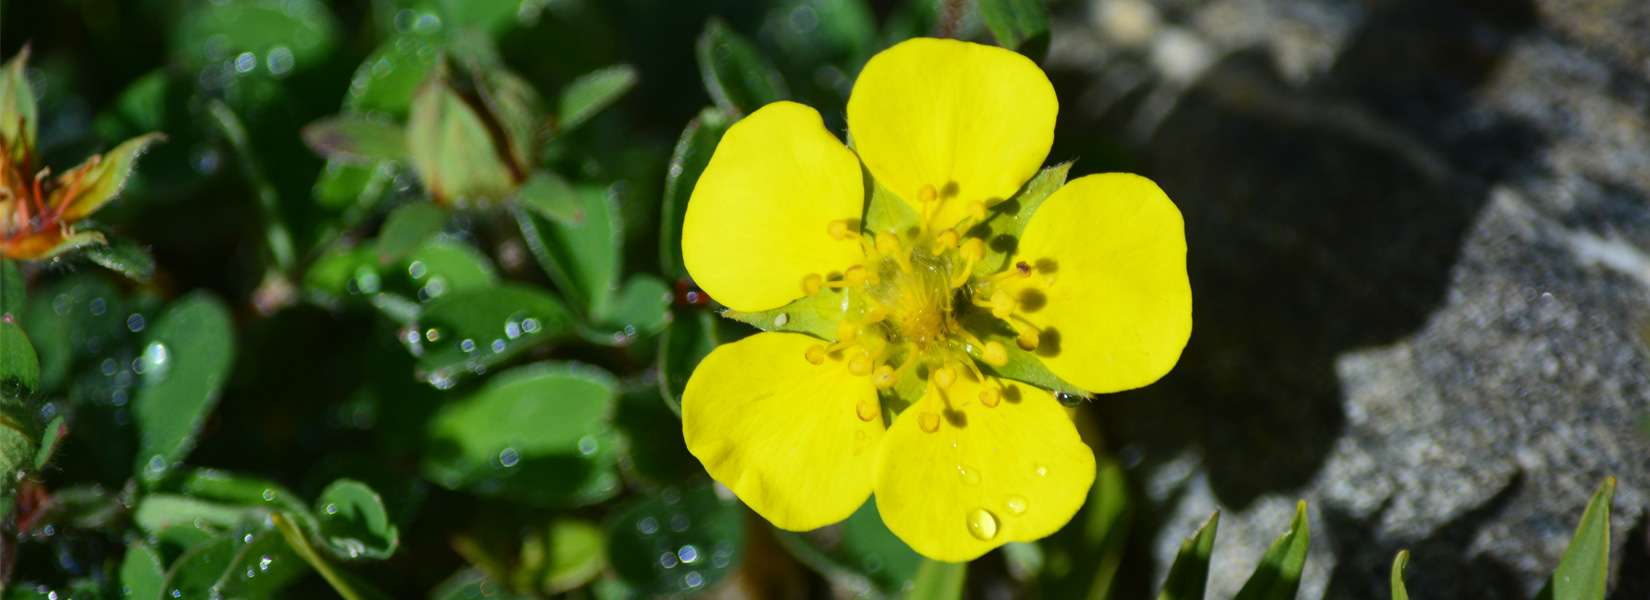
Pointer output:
x,y
1319,219
1633,572
1438,563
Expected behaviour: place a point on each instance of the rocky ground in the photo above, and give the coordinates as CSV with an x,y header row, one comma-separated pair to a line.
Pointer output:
x,y
1420,250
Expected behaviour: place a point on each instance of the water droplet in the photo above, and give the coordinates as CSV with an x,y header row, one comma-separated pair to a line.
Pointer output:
x,y
156,464
442,380
1069,399
668,560
508,457
416,269
279,61
245,62
930,422
467,345
530,325
330,508
693,580
679,522
512,329
268,495
135,323
670,495
969,476
432,334
498,346
246,539
648,526
263,563
97,306
1016,504
688,554
154,363
1041,471
588,445
982,524
781,320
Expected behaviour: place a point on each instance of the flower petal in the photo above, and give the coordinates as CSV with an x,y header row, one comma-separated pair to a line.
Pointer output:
x,y
784,434
758,221
1119,309
986,475
974,122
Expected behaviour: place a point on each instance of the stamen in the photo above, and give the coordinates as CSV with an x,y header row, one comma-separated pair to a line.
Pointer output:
x,y
1002,304
861,363
994,354
846,332
855,276
990,397
946,240
944,377
866,409
811,284
815,354
842,229
884,377
929,422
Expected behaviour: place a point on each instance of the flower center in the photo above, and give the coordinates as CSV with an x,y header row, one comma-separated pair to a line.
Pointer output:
x,y
914,312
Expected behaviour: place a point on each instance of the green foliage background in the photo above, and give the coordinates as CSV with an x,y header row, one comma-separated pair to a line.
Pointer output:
x,y
293,375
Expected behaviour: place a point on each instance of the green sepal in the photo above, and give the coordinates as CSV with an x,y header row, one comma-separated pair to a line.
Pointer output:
x,y
18,114
356,138
452,148
1023,365
815,315
104,176
1003,225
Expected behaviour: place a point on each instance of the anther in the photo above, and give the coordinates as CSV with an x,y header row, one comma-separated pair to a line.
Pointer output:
x,y
876,314
860,364
995,354
944,377
1002,304
866,409
929,422
927,194
815,354
976,210
1028,339
846,332
812,283
887,243
972,250
946,240
841,229
990,397
855,276
883,377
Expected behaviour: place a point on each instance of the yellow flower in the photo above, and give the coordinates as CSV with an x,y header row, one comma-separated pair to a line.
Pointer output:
x,y
908,310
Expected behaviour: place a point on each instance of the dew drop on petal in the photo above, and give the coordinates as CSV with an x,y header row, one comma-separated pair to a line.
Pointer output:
x,y
866,409
1041,471
982,524
1016,504
969,476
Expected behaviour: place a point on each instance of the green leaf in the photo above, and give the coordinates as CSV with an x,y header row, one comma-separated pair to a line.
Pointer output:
x,y
540,435
386,81
1584,571
1020,25
356,138
470,584
159,512
439,267
582,258
353,522
1190,572
185,361
592,92
407,228
142,576
346,585
1399,563
687,162
19,366
219,567
938,581
51,436
352,189
466,332
1001,229
13,291
657,543
577,555
551,197
1083,559
453,150
19,116
687,341
275,37
516,110
735,73
861,552
1278,576
103,176
235,489
653,458
123,256
641,309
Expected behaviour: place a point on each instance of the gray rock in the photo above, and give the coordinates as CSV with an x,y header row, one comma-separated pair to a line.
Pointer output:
x,y
1420,250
